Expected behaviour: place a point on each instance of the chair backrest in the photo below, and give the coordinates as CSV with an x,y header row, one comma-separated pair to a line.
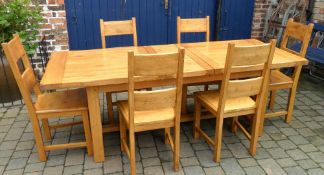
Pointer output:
x,y
297,31
155,67
25,79
192,25
112,28
241,59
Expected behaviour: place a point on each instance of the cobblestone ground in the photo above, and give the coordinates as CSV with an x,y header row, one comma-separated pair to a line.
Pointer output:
x,y
295,148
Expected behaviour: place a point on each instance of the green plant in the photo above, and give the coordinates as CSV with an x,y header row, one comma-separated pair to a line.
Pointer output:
x,y
21,17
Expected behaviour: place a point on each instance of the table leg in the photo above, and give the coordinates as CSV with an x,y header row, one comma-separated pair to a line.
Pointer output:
x,y
95,122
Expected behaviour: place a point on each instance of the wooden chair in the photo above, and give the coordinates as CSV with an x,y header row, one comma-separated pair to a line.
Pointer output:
x,y
47,105
279,80
112,28
237,97
156,109
190,26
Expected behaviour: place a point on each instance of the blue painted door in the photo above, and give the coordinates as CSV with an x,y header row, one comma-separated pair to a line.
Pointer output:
x,y
84,29
156,22
191,9
236,18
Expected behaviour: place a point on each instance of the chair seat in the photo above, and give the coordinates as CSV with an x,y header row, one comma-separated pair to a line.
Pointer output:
x,y
152,117
279,80
62,101
232,105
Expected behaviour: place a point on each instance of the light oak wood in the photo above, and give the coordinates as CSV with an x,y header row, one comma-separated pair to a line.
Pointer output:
x,y
193,25
156,109
279,80
65,125
112,28
189,26
235,96
56,102
47,105
65,146
297,31
99,67
106,71
211,101
95,122
149,119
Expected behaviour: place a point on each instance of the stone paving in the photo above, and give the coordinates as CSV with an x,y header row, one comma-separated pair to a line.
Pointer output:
x,y
295,148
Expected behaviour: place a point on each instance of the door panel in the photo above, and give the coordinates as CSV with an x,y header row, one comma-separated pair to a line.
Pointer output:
x,y
236,19
84,29
191,9
155,24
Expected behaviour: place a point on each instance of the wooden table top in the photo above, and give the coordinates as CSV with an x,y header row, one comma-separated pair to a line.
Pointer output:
x,y
72,69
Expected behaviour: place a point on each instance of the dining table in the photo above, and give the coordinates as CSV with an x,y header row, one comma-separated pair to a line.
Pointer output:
x,y
106,70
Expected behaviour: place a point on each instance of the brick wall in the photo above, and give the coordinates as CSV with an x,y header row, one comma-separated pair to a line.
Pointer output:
x,y
318,12
260,9
54,25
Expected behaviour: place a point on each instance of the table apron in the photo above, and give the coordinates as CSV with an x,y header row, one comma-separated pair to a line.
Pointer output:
x,y
186,81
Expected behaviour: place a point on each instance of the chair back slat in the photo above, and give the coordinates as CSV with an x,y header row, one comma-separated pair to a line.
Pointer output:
x,y
29,79
297,31
193,25
113,28
17,50
25,79
243,88
250,55
239,57
158,99
158,66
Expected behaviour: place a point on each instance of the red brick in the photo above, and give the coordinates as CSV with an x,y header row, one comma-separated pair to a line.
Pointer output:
x,y
60,2
51,1
46,26
57,20
46,14
61,14
60,27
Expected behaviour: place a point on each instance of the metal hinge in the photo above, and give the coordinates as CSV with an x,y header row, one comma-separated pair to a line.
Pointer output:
x,y
166,4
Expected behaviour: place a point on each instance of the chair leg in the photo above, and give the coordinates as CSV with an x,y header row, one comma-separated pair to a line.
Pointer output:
x,y
132,151
110,108
176,153
47,130
218,138
39,140
254,134
234,125
196,123
122,131
184,99
87,132
291,103
292,94
272,99
166,132
263,112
